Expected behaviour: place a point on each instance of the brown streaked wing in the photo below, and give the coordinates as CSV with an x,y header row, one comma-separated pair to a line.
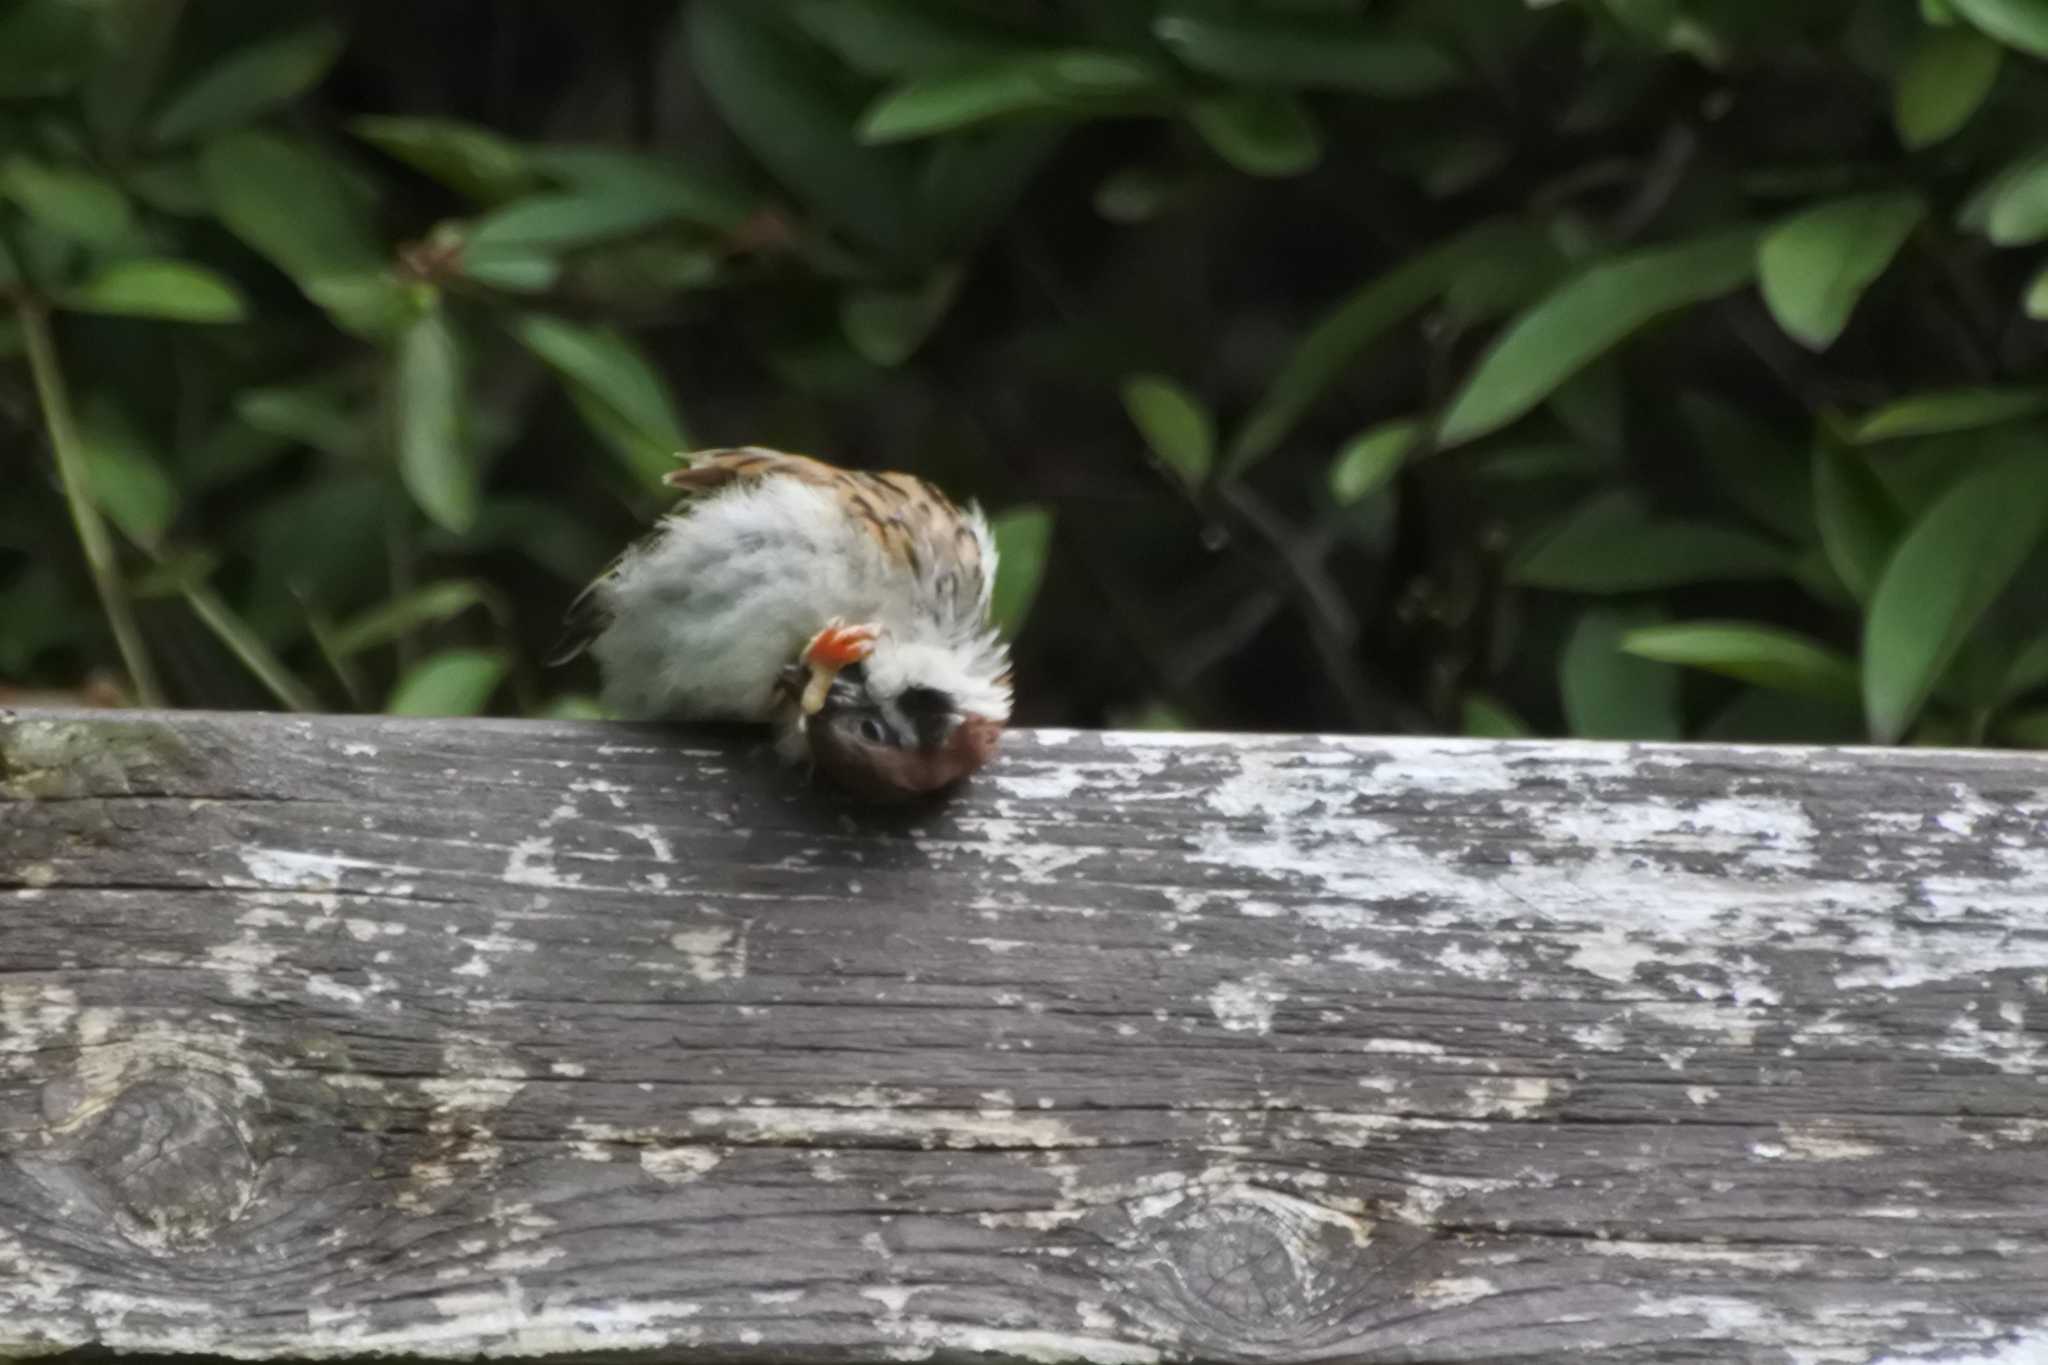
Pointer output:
x,y
915,523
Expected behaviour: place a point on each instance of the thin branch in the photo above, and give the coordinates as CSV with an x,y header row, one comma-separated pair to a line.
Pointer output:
x,y
1333,626
100,557
232,631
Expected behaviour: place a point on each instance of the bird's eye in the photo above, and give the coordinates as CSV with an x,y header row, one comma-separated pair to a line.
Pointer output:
x,y
873,731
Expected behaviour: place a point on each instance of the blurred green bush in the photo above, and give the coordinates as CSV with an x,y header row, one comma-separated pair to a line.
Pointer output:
x,y
1640,368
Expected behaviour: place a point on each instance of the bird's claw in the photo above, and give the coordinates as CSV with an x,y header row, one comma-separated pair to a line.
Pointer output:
x,y
839,645
833,648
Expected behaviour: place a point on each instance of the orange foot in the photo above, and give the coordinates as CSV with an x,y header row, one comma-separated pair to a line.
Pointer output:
x,y
835,647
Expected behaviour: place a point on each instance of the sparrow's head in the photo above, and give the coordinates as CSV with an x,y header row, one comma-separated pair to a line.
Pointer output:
x,y
912,718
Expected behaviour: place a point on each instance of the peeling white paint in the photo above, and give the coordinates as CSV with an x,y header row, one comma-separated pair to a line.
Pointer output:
x,y
656,842
2026,1347
1403,1047
717,953
531,862
1812,1142
1247,1005
293,869
678,1165
1509,1097
893,1298
1453,1291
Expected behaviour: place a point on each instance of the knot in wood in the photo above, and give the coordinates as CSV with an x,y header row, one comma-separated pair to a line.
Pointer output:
x,y
1247,1267
1241,1269
169,1160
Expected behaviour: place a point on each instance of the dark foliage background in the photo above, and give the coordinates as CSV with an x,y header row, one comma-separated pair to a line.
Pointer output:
x,y
1609,367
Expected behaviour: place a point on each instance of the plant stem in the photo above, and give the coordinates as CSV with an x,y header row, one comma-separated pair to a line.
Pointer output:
x,y
85,513
247,646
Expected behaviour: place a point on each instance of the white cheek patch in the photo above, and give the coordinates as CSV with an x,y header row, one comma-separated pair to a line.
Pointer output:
x,y
966,674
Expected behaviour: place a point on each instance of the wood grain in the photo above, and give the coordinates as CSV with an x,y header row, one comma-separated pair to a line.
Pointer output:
x,y
342,1036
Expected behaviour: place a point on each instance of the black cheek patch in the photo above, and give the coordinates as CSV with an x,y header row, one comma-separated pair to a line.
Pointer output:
x,y
930,713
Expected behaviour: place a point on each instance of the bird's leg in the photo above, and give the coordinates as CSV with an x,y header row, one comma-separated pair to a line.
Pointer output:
x,y
835,647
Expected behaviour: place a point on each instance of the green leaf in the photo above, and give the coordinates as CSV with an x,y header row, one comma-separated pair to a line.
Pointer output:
x,y
1484,717
228,449
1947,571
894,38
1935,414
1505,272
1816,265
550,535
1180,430
1539,461
1592,406
2035,301
2011,208
453,682
1666,25
1587,316
376,305
1610,546
645,461
1749,652
2027,671
1370,459
44,256
593,213
1042,83
574,706
1759,715
75,203
1303,52
1371,312
329,413
1943,83
468,159
170,184
1859,522
45,46
888,325
2016,213
972,180
604,368
128,478
1611,695
513,270
175,574
1762,473
434,457
687,194
784,105
423,606
2022,24
1259,132
562,222
137,38
177,290
1023,537
248,82
291,203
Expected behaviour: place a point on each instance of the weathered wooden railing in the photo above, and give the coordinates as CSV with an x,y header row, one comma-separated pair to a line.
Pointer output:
x,y
347,1036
